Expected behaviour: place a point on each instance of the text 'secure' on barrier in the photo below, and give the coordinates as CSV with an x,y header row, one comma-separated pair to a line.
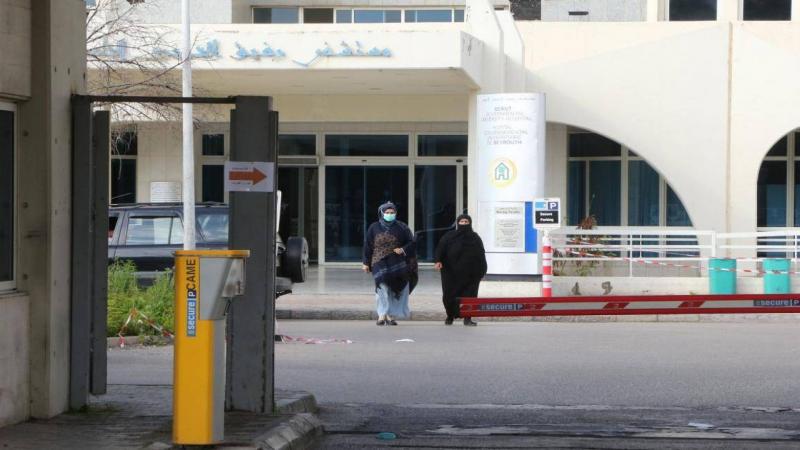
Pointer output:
x,y
630,305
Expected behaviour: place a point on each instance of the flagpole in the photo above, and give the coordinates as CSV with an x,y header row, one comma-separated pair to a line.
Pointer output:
x,y
188,133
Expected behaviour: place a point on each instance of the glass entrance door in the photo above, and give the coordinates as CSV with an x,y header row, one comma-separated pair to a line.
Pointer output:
x,y
435,206
352,197
299,188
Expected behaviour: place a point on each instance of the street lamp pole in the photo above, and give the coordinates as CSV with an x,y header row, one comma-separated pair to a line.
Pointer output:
x,y
188,133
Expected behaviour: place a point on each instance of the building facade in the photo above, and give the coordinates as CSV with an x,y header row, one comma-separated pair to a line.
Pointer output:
x,y
660,113
42,49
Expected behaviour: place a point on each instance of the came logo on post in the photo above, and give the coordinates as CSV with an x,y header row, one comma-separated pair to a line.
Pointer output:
x,y
191,297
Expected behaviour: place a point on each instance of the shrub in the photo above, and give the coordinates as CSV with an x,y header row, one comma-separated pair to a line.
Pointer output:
x,y
125,296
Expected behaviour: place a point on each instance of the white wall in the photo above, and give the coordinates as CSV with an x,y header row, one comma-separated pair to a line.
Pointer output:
x,y
599,10
14,354
765,106
45,130
660,89
701,102
15,49
169,11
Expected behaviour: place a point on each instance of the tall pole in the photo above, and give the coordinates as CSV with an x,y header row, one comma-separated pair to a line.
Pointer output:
x,y
188,134
547,265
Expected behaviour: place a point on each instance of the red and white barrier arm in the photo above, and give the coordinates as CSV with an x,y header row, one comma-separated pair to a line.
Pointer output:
x,y
630,305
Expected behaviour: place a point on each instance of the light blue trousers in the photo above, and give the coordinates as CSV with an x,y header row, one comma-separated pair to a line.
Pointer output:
x,y
389,303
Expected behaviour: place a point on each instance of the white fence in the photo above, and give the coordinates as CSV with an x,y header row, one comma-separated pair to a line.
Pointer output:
x,y
665,251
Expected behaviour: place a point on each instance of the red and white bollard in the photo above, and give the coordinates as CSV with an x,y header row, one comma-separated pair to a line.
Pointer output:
x,y
547,266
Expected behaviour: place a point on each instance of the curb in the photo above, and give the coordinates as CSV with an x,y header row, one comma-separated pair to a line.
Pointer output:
x,y
297,402
139,340
437,316
299,432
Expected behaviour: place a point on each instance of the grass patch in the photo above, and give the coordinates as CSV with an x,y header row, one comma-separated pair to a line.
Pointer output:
x,y
126,297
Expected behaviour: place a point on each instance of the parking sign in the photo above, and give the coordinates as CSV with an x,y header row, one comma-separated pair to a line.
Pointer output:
x,y
547,213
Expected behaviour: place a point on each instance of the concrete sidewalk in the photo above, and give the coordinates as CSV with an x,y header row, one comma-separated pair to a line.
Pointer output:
x,y
139,417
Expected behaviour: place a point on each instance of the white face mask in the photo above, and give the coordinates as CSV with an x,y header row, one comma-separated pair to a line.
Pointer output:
x,y
389,217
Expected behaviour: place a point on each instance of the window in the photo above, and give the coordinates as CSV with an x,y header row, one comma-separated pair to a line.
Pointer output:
x,y
687,10
429,15
590,144
366,145
772,194
676,213
297,145
213,145
276,15
767,9
124,148
376,16
642,201
344,16
596,186
442,145
317,15
396,15
213,225
214,183
154,230
7,197
778,187
113,218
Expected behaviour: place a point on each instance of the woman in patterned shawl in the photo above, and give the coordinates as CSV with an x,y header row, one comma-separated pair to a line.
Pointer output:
x,y
389,253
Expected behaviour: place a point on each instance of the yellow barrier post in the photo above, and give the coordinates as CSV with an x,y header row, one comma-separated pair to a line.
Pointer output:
x,y
205,281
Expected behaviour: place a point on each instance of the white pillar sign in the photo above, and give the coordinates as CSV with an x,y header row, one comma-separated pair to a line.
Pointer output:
x,y
510,138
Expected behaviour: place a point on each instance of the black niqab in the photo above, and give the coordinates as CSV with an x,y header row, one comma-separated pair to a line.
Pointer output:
x,y
463,261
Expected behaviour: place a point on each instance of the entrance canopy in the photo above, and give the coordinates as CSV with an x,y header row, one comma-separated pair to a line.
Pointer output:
x,y
350,59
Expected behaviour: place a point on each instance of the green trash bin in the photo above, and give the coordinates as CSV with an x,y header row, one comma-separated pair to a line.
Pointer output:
x,y
722,281
777,283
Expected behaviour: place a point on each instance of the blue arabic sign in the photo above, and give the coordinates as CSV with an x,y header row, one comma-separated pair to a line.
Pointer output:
x,y
211,50
266,52
346,51
208,51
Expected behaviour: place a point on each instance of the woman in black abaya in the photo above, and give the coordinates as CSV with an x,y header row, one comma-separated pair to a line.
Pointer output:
x,y
462,260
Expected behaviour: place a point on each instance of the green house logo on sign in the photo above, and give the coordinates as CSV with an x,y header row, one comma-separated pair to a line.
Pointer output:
x,y
504,172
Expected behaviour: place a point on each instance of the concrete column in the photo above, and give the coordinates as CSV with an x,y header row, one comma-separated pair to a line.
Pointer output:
x,y
727,10
556,154
472,159
58,70
796,11
653,12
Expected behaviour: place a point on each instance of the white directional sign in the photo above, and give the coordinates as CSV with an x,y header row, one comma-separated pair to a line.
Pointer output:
x,y
249,176
547,213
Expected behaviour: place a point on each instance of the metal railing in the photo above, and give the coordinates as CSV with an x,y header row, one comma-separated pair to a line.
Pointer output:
x,y
681,250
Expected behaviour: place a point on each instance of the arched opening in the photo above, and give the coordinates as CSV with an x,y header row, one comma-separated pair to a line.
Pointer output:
x,y
778,187
618,187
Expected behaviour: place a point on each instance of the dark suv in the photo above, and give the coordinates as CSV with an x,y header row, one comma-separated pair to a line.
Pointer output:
x,y
149,234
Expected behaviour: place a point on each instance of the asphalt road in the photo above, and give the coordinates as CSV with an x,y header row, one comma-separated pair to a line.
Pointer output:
x,y
623,364
535,385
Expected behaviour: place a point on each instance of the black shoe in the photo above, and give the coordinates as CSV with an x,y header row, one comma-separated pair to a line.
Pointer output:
x,y
469,323
448,321
380,323
392,322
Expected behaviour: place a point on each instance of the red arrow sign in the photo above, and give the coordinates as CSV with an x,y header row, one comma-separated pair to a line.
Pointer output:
x,y
254,176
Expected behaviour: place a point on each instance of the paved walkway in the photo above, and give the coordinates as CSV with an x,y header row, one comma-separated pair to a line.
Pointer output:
x,y
133,417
